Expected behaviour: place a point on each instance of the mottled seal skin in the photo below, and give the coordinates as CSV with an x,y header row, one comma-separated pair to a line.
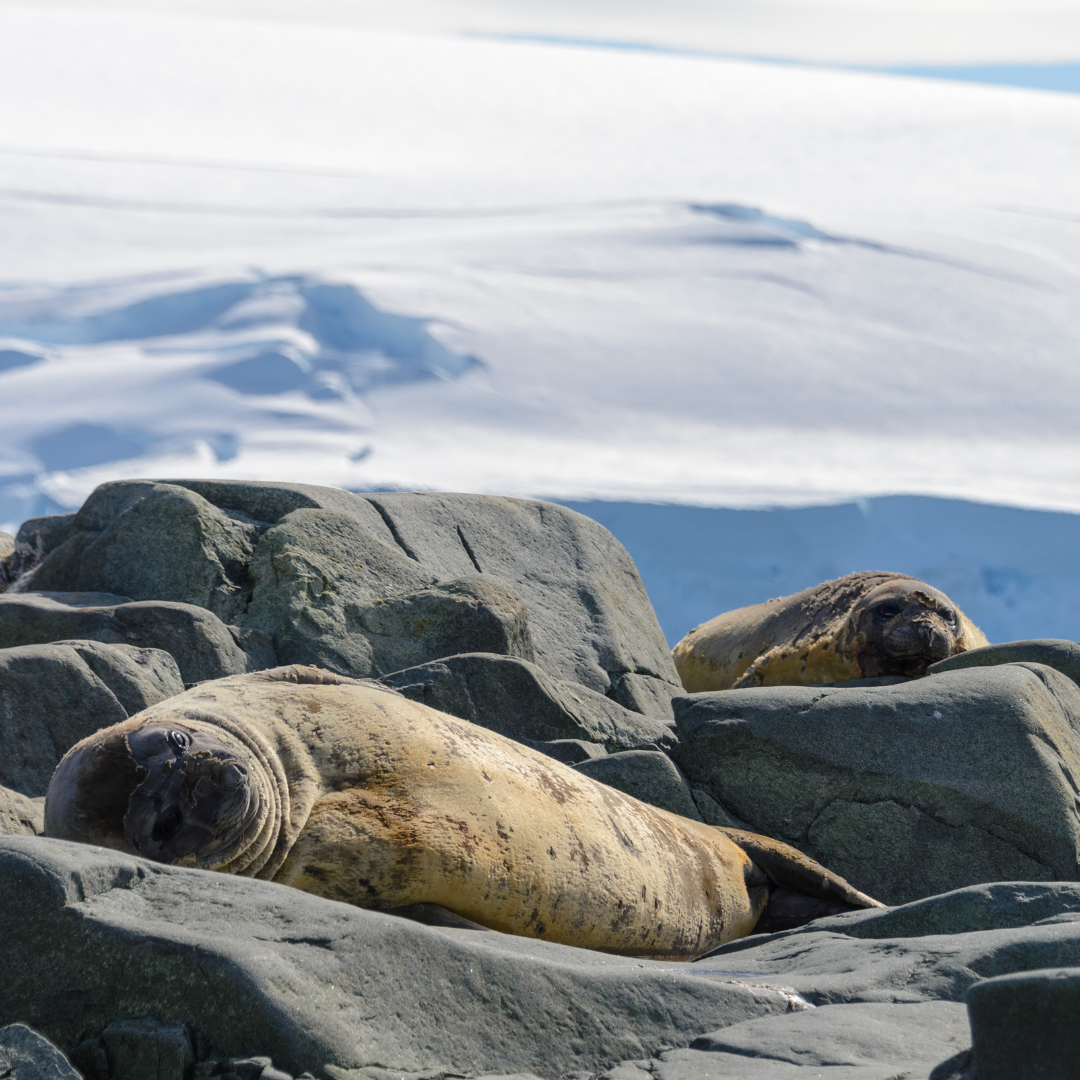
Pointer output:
x,y
857,626
348,790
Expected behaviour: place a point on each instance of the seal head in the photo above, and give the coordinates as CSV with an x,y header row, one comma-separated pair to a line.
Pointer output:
x,y
175,792
903,627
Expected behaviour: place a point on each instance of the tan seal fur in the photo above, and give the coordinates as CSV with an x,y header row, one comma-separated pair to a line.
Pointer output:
x,y
351,791
857,626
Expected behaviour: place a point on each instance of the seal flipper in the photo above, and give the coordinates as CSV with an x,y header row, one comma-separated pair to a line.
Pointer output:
x,y
802,889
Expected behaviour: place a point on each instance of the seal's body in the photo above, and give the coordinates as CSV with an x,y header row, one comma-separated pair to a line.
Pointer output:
x,y
348,790
857,626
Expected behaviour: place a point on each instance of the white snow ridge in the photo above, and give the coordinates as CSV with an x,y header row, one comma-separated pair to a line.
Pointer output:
x,y
160,367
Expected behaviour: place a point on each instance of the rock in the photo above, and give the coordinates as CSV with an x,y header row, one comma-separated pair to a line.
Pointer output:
x,y
646,694
568,751
471,615
36,538
308,565
905,790
712,813
1063,656
888,986
882,1036
519,700
51,696
200,643
154,541
648,775
26,1055
89,936
21,815
144,1049
1024,1025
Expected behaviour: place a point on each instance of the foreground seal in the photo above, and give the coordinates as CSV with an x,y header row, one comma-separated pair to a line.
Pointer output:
x,y
857,626
351,791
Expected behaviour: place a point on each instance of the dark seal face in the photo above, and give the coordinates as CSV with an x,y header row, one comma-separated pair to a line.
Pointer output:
x,y
172,792
196,796
903,627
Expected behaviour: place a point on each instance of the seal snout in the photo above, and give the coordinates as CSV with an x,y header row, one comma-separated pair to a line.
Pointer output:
x,y
195,796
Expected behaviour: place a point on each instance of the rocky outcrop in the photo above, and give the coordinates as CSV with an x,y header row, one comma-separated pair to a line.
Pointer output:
x,y
89,936
520,700
51,696
906,790
368,584
200,643
138,970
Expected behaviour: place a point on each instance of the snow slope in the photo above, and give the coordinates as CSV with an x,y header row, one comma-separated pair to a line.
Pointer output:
x,y
571,272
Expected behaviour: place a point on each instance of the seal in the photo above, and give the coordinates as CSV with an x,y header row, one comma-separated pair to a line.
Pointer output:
x,y
349,790
858,626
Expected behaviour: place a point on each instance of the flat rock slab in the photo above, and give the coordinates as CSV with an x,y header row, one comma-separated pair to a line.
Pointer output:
x,y
930,950
200,643
875,1041
26,1055
88,936
51,696
310,565
907,790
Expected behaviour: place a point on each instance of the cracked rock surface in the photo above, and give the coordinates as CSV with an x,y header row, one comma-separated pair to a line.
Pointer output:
x,y
906,790
369,584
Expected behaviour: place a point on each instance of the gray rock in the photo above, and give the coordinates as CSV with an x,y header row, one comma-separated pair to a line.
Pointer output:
x,y
26,1055
21,815
848,958
308,564
478,614
89,936
519,700
153,541
51,696
712,813
144,1049
1063,656
200,643
905,790
1025,1025
888,985
36,538
648,775
646,694
901,1039
568,751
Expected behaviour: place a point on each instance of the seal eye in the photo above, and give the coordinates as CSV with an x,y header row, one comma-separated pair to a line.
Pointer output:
x,y
948,616
178,741
888,611
167,826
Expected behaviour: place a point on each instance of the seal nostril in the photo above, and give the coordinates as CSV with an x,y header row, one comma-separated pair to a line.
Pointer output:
x,y
232,776
167,826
